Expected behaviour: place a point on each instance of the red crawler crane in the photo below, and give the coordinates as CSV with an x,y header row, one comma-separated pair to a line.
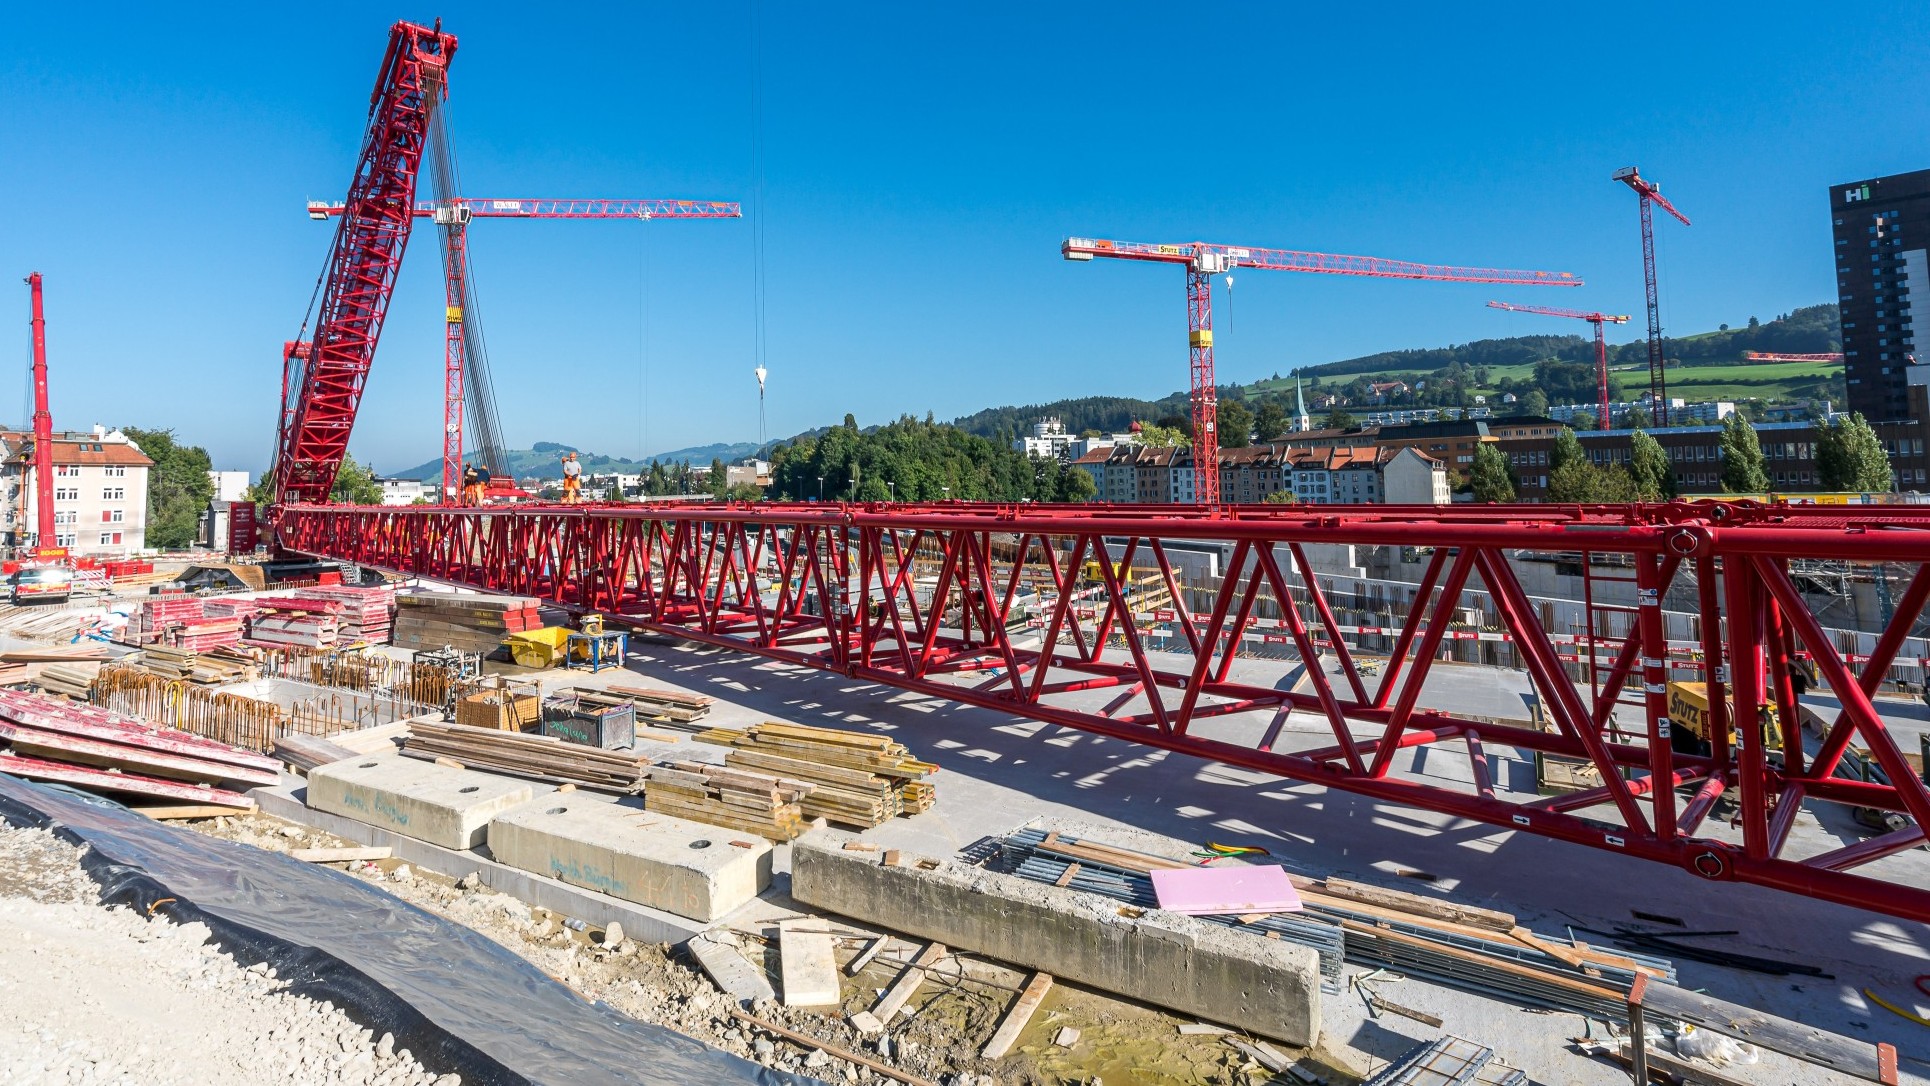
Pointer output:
x,y
454,217
43,427
1650,196
1601,345
1203,261
326,379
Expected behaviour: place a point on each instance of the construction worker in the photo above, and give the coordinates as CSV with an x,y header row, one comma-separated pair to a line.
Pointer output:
x,y
471,487
482,485
572,480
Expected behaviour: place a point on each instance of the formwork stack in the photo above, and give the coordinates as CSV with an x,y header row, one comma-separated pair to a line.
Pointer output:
x,y
860,779
469,623
739,800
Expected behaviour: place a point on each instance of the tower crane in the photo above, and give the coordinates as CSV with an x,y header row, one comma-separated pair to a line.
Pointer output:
x,y
465,366
1203,261
1601,345
1650,197
43,455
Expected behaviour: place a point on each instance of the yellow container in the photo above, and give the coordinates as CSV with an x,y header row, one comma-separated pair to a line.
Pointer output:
x,y
538,648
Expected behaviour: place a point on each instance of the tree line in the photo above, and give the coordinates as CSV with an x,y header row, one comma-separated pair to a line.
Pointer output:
x,y
1847,453
913,461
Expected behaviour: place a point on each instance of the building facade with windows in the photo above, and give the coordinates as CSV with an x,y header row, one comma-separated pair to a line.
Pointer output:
x,y
1881,231
100,493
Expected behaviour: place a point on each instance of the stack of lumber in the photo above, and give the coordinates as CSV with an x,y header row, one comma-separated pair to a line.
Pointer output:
x,y
56,654
368,611
67,680
1458,945
864,779
535,756
753,802
305,752
670,707
184,622
47,739
230,607
158,613
306,631
469,623
39,623
218,665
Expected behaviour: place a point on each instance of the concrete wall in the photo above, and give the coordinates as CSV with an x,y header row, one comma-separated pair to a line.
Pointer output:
x,y
1264,986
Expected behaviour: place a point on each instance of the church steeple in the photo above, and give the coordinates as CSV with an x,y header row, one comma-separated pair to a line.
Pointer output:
x,y
1300,400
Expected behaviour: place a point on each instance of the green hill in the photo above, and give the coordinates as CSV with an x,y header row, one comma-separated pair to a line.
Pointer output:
x,y
544,460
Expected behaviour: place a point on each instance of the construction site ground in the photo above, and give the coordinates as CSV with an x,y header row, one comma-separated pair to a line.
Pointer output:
x,y
1000,773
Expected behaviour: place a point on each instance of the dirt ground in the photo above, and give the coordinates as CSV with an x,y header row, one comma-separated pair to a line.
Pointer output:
x,y
92,994
937,1040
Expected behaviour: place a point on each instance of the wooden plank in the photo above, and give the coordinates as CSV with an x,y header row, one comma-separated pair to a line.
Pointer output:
x,y
807,964
100,780
1451,911
907,984
186,810
857,964
339,855
1071,872
1017,1015
1805,1042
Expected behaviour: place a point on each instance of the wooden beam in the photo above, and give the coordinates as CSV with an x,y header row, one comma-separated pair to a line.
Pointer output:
x,y
187,810
901,991
339,855
1017,1015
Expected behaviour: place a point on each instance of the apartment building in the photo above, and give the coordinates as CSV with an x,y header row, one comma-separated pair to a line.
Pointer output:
x,y
100,493
1320,474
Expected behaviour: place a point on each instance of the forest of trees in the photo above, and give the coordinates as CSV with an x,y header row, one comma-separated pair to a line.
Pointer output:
x,y
917,462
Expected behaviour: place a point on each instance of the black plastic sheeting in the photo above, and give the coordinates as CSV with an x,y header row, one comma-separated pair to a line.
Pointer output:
x,y
457,1000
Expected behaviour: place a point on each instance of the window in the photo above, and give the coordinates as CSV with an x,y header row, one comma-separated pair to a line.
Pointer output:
x,y
116,472
114,493
66,471
112,516
110,538
63,540
66,494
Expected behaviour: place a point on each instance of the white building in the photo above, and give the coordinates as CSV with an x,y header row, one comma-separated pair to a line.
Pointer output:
x,y
100,493
229,486
406,491
1047,441
1411,477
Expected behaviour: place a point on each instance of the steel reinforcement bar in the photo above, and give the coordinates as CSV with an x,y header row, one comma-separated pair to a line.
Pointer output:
x,y
1040,611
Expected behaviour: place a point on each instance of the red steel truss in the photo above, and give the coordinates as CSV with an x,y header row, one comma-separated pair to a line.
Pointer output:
x,y
362,264
1002,607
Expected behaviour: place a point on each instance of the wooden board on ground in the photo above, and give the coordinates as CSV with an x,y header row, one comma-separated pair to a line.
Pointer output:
x,y
1017,1015
907,983
339,855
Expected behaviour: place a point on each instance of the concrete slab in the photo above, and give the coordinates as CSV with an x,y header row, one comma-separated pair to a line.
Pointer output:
x,y
809,964
717,953
435,803
601,910
683,867
1265,986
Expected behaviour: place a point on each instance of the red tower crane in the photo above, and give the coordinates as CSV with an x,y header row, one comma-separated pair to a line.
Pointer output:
x,y
326,378
461,328
1649,198
1601,345
43,427
1203,261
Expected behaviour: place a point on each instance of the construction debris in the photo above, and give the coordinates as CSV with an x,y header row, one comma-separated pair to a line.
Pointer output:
x,y
666,707
535,756
52,740
752,802
1516,965
862,780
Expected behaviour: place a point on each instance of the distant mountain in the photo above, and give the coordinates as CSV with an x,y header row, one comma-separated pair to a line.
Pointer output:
x,y
544,460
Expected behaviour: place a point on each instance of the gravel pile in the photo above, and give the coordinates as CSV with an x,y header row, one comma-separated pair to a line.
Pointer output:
x,y
92,994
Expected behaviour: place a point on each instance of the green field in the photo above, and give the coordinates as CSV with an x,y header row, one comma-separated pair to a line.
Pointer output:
x,y
1764,381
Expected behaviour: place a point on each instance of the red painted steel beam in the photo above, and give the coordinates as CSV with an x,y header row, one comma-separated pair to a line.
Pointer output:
x,y
926,598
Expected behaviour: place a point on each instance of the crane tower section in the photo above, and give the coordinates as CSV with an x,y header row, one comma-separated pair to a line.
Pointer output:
x,y
360,277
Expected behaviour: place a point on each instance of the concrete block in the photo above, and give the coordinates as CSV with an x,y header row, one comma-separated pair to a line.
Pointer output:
x,y
1265,986
720,958
434,803
682,867
809,964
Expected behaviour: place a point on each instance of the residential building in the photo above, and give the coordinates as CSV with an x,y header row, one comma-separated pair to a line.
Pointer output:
x,y
1695,454
406,491
100,493
229,486
1881,228
1411,477
1048,440
1452,442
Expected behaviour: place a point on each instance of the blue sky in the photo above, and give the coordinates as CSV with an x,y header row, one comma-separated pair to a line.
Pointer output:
x,y
922,165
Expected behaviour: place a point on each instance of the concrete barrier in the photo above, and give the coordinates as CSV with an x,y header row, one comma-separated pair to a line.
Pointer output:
x,y
435,803
681,867
1265,986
